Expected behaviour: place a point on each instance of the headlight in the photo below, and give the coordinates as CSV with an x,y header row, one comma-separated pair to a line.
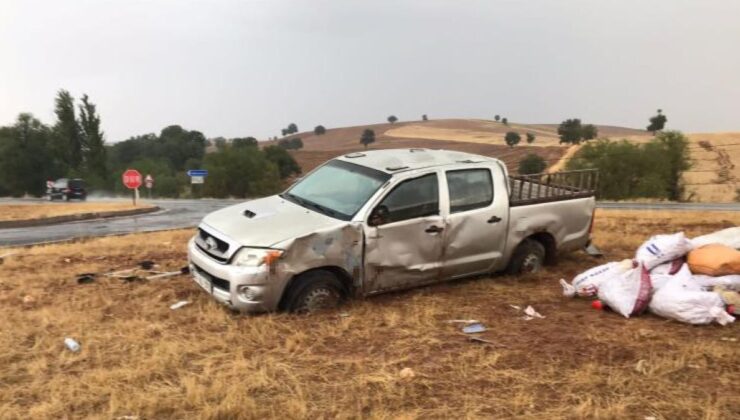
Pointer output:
x,y
255,257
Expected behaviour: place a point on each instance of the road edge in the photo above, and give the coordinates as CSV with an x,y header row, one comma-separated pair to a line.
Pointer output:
x,y
9,224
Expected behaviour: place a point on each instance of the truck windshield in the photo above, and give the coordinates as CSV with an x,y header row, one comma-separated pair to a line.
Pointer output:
x,y
338,189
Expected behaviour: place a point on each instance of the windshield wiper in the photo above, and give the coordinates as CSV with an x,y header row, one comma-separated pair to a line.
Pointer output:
x,y
309,204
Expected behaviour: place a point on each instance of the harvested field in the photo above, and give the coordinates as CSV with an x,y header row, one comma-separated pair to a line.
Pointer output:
x,y
43,210
139,358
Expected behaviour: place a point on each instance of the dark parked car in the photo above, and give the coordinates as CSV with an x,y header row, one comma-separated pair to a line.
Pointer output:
x,y
67,189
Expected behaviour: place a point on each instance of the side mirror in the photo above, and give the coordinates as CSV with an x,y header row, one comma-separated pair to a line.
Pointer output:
x,y
379,216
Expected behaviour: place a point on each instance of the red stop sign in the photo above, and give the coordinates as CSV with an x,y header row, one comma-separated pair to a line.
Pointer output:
x,y
132,179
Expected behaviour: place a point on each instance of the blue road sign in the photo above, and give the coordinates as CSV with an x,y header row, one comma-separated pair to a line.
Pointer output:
x,y
197,172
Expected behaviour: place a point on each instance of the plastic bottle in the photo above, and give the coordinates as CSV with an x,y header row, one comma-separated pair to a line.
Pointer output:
x,y
72,345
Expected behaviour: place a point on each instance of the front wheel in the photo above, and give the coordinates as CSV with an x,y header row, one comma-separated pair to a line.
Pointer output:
x,y
316,290
529,257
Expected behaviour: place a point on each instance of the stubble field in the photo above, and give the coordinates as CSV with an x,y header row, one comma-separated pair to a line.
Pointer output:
x,y
139,358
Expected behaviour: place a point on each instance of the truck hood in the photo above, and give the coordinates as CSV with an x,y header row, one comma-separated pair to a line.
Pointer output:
x,y
273,220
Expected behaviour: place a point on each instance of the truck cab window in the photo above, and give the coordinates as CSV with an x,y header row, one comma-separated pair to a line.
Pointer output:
x,y
469,189
410,199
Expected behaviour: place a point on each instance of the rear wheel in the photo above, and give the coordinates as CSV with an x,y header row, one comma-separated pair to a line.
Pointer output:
x,y
529,257
314,291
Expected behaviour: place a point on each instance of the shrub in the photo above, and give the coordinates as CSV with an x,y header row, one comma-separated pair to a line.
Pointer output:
x,y
512,138
532,164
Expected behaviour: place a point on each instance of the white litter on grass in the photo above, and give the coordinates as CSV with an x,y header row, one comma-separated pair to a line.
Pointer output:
x,y
531,313
518,308
463,321
179,304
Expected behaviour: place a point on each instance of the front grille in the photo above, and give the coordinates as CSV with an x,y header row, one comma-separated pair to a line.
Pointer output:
x,y
219,252
216,281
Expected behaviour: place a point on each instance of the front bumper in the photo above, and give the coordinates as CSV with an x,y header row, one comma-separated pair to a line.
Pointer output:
x,y
226,283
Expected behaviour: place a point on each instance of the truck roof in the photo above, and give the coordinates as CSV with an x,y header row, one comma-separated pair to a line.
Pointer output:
x,y
399,160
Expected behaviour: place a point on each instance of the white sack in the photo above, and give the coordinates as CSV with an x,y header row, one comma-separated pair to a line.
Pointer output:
x,y
728,237
587,283
670,267
627,294
731,282
683,275
679,299
663,248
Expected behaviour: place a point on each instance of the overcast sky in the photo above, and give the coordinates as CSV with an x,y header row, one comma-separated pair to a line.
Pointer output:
x,y
238,68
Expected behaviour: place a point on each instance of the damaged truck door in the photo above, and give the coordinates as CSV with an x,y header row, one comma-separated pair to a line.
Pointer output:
x,y
374,221
404,236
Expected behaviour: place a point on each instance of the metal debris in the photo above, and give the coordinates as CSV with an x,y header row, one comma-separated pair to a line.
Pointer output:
x,y
474,328
462,321
86,278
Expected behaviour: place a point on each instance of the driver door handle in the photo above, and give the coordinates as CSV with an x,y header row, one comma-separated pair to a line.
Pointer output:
x,y
494,219
434,229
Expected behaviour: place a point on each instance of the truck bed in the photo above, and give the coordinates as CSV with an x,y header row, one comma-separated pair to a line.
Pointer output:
x,y
558,186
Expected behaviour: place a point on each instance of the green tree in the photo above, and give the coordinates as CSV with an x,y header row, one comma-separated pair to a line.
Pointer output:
x,y
589,132
286,165
392,119
571,131
657,122
530,138
675,154
26,157
532,164
367,138
294,143
497,118
505,121
94,140
319,130
68,141
240,172
512,138
244,142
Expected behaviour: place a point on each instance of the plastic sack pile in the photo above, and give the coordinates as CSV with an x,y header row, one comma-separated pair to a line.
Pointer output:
x,y
696,281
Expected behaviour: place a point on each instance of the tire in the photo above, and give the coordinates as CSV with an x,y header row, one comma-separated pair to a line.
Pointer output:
x,y
529,257
315,291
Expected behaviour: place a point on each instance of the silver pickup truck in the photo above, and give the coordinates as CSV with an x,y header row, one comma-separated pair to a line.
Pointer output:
x,y
370,222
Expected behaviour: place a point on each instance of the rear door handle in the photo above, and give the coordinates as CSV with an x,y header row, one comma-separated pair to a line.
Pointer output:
x,y
434,229
494,219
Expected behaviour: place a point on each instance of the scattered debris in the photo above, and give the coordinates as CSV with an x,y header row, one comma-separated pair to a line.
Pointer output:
x,y
642,366
517,307
72,345
4,256
593,251
731,339
179,304
86,278
598,305
147,265
531,313
29,300
68,260
462,321
344,314
474,328
406,373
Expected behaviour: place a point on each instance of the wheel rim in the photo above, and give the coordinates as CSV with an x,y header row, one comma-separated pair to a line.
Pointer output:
x,y
320,298
531,264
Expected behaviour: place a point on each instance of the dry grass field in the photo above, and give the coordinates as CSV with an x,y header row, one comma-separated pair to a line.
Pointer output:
x,y
139,358
45,210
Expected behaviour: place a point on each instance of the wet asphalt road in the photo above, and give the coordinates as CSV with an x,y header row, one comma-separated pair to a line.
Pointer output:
x,y
174,214
188,213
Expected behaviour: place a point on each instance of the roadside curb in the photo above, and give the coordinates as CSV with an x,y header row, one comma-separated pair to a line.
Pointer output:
x,y
8,224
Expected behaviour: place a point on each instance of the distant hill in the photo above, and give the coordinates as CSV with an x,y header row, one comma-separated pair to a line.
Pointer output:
x,y
718,158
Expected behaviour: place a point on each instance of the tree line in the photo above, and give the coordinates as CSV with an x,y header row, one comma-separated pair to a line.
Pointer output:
x,y
74,146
